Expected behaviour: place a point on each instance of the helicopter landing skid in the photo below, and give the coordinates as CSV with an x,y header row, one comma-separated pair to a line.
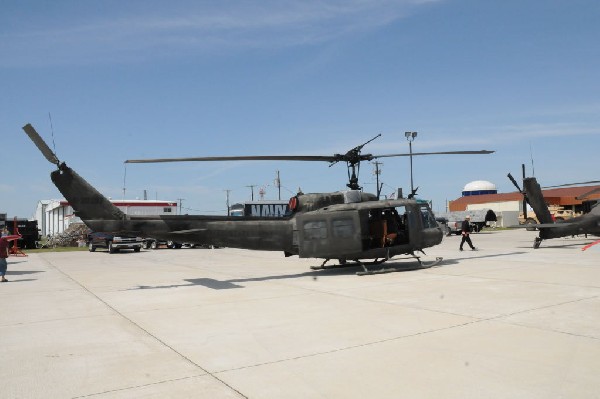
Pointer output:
x,y
422,265
343,264
367,271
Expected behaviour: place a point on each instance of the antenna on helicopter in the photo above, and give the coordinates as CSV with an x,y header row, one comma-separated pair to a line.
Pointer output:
x,y
413,193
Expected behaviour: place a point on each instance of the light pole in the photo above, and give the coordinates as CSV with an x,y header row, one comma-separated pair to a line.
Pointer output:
x,y
252,190
411,136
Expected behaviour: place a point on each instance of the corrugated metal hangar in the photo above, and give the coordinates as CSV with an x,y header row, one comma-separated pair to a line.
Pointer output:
x,y
55,216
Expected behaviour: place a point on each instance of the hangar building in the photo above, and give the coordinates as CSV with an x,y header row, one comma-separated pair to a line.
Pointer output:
x,y
482,194
54,216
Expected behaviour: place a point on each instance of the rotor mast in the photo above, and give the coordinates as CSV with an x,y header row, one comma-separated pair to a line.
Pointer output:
x,y
353,159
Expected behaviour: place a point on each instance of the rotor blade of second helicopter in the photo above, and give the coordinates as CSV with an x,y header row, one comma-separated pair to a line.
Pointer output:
x,y
436,153
240,158
585,195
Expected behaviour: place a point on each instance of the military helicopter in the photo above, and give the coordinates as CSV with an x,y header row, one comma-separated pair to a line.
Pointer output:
x,y
347,226
588,223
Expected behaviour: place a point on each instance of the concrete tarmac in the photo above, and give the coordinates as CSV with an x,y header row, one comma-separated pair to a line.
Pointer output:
x,y
506,321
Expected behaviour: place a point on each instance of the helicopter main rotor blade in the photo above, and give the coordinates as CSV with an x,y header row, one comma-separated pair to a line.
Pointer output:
x,y
574,184
352,158
240,158
436,153
585,195
514,182
40,144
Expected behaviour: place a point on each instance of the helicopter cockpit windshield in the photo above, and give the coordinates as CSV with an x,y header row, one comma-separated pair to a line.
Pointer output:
x,y
428,217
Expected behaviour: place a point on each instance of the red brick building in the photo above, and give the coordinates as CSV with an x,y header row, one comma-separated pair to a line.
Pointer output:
x,y
566,197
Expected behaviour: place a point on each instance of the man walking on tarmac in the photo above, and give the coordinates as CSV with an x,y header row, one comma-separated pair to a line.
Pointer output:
x,y
466,231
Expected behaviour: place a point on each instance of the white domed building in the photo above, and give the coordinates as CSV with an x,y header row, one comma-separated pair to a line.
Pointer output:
x,y
479,187
482,194
481,197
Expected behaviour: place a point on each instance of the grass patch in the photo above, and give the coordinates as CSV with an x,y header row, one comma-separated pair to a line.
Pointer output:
x,y
57,249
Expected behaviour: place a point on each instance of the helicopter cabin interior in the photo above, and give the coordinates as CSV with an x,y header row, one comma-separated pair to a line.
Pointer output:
x,y
387,227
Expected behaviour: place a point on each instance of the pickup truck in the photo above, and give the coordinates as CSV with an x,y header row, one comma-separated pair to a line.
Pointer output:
x,y
113,243
456,227
479,219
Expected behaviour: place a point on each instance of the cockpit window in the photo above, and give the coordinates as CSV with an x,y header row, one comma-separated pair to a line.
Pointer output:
x,y
428,217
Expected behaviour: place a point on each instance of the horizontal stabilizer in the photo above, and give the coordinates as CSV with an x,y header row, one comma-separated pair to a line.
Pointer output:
x,y
188,231
550,225
542,225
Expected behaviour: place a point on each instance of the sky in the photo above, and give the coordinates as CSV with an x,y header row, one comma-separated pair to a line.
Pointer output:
x,y
103,82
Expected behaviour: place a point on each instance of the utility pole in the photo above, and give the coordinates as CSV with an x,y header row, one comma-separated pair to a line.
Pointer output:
x,y
124,173
377,173
278,184
252,190
180,205
227,200
524,200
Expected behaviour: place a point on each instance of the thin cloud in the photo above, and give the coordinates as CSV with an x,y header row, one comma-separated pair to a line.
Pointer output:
x,y
489,137
148,33
7,189
509,134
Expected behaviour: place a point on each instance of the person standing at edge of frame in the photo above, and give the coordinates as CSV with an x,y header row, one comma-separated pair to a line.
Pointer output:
x,y
3,256
4,243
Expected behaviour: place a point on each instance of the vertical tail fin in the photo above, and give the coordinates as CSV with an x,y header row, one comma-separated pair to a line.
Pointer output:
x,y
87,202
536,199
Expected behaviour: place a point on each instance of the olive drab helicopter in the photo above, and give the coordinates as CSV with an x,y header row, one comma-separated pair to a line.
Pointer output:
x,y
352,227
588,223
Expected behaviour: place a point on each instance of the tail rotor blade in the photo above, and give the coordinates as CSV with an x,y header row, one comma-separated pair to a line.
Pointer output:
x,y
41,144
